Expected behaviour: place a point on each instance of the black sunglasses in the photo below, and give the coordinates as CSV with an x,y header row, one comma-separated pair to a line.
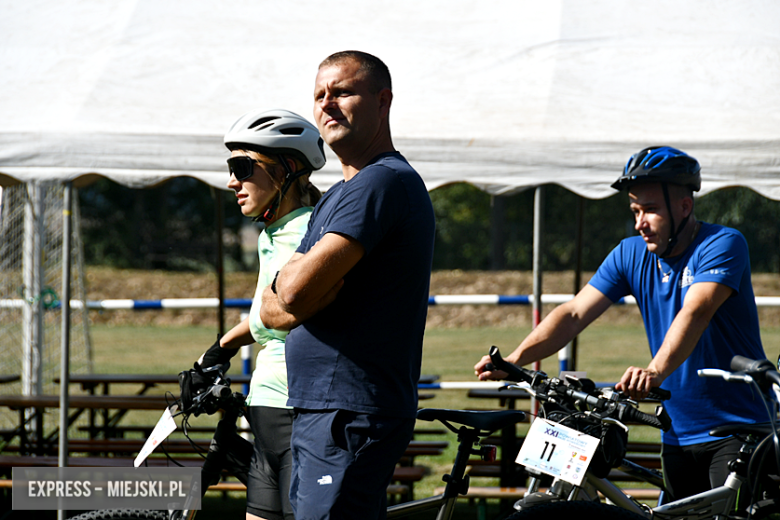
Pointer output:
x,y
241,166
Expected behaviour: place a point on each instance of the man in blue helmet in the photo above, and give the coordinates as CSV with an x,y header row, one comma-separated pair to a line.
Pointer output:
x,y
691,281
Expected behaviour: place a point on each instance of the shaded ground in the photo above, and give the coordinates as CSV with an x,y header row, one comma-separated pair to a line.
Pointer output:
x,y
105,283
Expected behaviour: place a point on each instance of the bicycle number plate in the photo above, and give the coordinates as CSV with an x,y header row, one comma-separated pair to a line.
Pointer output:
x,y
557,450
165,426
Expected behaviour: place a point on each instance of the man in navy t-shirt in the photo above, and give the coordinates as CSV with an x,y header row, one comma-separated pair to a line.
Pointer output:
x,y
355,297
691,281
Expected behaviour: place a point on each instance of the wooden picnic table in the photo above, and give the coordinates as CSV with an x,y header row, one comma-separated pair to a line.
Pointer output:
x,y
110,408
90,382
105,404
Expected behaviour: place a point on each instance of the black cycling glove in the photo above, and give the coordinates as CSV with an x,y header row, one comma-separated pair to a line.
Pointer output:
x,y
217,355
192,382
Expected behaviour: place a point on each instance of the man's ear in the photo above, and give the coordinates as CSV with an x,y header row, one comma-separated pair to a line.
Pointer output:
x,y
687,205
385,100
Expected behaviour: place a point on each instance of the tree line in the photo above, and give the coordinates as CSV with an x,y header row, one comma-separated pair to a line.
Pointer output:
x,y
174,225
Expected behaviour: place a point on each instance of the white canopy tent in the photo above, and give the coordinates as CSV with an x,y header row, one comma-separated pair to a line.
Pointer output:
x,y
505,94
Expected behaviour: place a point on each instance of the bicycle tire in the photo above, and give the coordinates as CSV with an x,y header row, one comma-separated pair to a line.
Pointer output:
x,y
122,514
577,509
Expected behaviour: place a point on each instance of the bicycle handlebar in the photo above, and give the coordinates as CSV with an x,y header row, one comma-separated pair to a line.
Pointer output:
x,y
614,405
514,372
747,370
761,370
217,395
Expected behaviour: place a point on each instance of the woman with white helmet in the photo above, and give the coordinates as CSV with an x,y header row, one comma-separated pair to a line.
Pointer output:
x,y
272,155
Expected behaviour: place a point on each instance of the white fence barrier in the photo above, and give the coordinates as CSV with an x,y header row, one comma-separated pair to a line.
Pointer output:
x,y
212,303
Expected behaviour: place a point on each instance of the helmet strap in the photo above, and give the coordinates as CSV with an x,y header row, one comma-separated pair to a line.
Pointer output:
x,y
289,177
675,233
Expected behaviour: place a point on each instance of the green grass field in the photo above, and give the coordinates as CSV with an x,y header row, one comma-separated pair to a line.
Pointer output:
x,y
604,353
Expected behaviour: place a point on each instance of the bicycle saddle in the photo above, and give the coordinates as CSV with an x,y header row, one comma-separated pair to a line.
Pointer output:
x,y
488,421
762,429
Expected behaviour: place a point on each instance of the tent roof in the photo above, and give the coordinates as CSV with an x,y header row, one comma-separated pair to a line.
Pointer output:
x,y
505,95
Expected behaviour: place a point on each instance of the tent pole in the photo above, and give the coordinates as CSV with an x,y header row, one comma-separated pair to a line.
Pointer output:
x,y
65,344
537,270
220,260
497,232
32,313
577,271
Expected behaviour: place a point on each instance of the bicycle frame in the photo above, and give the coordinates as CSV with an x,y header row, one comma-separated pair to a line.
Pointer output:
x,y
457,480
718,503
713,504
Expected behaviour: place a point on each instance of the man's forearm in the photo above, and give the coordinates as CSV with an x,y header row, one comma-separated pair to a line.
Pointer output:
x,y
273,315
309,282
561,326
680,340
701,303
552,334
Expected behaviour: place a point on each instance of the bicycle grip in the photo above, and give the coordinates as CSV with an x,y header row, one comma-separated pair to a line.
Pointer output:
x,y
514,372
659,394
220,391
743,364
630,413
762,371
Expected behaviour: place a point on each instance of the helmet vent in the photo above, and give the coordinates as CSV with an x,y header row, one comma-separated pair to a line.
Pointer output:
x,y
262,121
292,131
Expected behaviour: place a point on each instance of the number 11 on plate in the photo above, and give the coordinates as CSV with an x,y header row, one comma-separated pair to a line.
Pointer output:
x,y
557,450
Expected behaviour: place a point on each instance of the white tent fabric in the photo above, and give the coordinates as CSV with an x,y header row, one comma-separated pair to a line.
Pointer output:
x,y
504,94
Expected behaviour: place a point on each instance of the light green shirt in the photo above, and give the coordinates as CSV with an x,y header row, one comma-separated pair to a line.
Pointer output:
x,y
275,246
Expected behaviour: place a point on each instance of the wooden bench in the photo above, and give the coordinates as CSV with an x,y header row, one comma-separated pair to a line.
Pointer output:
x,y
401,485
109,407
146,430
126,447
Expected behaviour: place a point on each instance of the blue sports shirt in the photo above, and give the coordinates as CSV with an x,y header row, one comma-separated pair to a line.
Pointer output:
x,y
718,254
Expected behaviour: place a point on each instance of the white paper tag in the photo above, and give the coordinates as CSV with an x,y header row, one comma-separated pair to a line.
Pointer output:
x,y
165,426
557,450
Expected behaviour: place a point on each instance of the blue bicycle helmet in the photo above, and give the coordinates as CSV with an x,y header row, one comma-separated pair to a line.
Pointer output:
x,y
660,164
664,165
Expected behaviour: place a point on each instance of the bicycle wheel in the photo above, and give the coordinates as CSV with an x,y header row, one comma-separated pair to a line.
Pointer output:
x,y
577,509
122,514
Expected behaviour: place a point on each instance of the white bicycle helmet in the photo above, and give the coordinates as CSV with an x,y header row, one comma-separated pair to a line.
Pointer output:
x,y
278,132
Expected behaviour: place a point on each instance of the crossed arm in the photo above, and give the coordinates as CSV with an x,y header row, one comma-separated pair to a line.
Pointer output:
x,y
310,282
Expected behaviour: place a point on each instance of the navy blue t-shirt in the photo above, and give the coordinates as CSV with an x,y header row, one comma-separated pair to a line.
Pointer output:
x,y
363,351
